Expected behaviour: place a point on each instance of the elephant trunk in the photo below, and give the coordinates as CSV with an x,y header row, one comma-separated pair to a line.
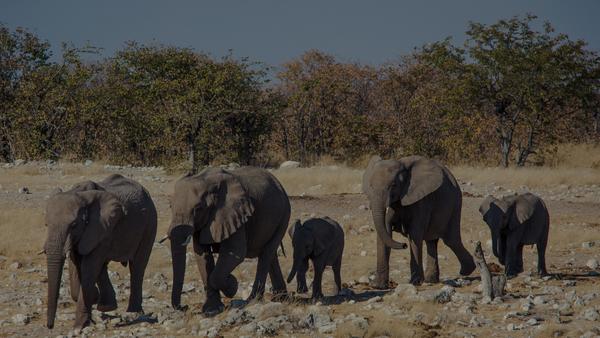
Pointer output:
x,y
384,231
55,262
179,240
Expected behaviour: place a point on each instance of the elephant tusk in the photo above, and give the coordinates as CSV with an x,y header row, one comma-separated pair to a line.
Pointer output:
x,y
187,241
42,252
163,239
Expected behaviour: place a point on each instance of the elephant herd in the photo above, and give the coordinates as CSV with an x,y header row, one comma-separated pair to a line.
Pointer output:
x,y
245,213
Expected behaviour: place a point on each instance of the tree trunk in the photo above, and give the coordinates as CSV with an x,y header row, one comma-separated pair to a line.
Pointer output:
x,y
492,286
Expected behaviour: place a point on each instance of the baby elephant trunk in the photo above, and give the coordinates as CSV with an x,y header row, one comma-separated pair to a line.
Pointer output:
x,y
292,272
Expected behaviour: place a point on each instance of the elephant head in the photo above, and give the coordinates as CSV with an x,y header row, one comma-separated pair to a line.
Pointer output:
x,y
502,216
390,183
306,246
77,223
209,206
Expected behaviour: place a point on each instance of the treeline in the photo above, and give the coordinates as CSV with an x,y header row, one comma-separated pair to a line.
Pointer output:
x,y
509,95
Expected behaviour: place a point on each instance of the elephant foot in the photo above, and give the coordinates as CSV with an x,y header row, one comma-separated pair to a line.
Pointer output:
x,y
432,279
467,269
302,289
106,307
416,280
232,287
380,284
212,308
83,321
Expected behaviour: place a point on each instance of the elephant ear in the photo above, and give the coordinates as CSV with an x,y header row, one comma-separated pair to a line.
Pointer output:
x,y
524,209
232,208
425,176
368,174
102,212
293,228
85,186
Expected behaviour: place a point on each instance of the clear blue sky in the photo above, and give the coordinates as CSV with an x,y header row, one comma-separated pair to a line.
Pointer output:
x,y
277,30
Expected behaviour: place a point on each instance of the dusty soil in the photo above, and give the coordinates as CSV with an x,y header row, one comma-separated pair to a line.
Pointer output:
x,y
565,305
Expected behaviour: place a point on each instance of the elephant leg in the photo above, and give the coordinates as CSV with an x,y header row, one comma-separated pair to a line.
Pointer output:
x,y
137,268
337,267
74,285
519,258
108,299
416,261
318,266
301,281
511,258
541,251
231,253
432,269
382,274
454,242
90,270
263,266
206,264
277,281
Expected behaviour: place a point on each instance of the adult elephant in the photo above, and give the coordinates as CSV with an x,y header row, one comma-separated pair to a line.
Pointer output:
x,y
423,202
238,214
112,220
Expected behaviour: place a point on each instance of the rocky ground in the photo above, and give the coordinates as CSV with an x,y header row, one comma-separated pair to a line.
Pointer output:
x,y
567,304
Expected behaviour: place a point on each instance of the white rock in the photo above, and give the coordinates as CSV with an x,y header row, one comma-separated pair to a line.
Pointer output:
x,y
16,266
588,245
289,164
24,190
20,319
363,253
592,264
88,163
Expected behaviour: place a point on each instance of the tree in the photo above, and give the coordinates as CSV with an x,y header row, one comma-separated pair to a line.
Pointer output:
x,y
528,81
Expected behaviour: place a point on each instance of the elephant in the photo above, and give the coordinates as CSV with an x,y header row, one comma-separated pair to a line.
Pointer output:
x,y
95,223
322,241
515,221
238,214
423,202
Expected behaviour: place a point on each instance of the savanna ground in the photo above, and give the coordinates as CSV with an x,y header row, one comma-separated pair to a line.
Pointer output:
x,y
562,306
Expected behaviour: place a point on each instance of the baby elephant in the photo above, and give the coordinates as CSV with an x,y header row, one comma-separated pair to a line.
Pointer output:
x,y
321,240
515,221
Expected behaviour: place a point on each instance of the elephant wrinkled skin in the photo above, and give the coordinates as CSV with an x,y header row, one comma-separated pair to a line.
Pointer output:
x,y
423,202
238,214
94,223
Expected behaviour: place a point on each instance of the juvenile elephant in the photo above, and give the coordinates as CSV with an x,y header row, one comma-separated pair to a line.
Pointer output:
x,y
112,220
515,221
423,201
238,214
322,241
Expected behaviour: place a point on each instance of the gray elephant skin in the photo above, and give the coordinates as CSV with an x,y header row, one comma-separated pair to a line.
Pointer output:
x,y
421,199
515,221
238,214
322,241
94,223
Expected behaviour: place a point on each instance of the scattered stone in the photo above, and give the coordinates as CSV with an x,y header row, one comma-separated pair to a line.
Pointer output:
x,y
591,314
24,190
88,163
444,295
363,207
592,264
363,280
289,164
588,245
16,266
19,162
21,319
539,300
569,283
363,253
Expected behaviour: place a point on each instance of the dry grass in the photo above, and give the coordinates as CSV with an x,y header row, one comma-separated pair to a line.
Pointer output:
x,y
528,176
22,230
320,180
